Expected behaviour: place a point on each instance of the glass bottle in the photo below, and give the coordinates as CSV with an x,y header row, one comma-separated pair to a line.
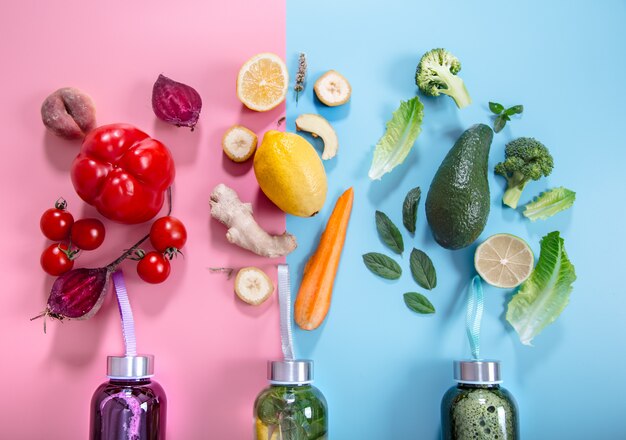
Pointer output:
x,y
290,408
130,406
478,408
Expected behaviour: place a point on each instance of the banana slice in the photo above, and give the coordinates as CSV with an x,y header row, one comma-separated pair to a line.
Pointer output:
x,y
319,127
332,89
239,143
253,286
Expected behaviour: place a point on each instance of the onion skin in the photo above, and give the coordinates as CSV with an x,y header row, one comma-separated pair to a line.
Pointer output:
x,y
176,103
78,294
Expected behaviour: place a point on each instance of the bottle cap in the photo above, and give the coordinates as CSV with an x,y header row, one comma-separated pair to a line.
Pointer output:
x,y
130,367
477,372
290,372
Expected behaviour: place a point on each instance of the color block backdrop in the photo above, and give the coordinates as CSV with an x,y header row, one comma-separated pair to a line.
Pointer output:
x,y
382,368
210,348
385,369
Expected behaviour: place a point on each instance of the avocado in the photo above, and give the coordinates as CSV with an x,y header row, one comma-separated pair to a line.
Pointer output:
x,y
457,205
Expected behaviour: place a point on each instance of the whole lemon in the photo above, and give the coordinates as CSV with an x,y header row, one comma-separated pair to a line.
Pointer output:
x,y
291,173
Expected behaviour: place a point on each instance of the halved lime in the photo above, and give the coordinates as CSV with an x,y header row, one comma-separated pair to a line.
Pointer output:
x,y
504,260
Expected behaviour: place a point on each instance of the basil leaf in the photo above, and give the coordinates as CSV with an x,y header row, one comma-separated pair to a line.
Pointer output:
x,y
496,108
423,270
290,429
317,429
418,303
515,110
389,233
271,406
499,124
382,265
409,208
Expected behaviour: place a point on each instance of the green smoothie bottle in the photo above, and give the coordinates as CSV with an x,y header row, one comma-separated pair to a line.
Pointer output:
x,y
478,408
291,408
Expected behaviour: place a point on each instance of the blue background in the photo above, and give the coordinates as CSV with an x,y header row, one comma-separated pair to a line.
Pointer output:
x,y
385,369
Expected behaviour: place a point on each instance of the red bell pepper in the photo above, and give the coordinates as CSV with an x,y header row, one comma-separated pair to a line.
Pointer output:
x,y
123,173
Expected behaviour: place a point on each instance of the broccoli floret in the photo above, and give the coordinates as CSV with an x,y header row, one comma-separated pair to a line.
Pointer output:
x,y
437,73
526,159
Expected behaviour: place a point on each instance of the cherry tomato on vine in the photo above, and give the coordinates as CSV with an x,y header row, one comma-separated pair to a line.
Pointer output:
x,y
153,268
56,223
56,259
168,232
87,233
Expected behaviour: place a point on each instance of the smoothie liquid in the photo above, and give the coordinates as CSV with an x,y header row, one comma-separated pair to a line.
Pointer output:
x,y
478,408
130,406
290,408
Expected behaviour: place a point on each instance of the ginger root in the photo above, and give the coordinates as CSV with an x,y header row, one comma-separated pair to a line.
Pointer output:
x,y
243,230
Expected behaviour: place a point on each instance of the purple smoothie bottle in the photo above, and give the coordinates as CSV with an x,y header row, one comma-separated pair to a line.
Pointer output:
x,y
130,406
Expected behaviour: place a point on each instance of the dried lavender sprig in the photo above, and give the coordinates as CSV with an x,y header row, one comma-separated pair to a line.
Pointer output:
x,y
301,75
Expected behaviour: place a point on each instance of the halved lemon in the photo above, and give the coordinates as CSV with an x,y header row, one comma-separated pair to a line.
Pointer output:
x,y
504,260
262,82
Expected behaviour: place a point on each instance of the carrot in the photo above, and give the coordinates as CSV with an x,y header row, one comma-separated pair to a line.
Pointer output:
x,y
313,300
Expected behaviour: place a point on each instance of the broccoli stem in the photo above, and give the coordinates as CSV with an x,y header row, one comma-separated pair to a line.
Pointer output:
x,y
511,196
455,87
516,184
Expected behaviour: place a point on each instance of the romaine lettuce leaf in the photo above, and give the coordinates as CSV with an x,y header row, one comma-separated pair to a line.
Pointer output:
x,y
550,203
543,296
402,130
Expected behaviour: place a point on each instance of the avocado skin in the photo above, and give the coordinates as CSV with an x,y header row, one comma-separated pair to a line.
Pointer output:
x,y
457,205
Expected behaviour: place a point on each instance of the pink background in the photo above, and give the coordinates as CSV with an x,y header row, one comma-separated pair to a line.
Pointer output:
x,y
210,348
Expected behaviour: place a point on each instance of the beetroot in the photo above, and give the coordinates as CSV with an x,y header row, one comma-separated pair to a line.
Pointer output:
x,y
176,103
78,294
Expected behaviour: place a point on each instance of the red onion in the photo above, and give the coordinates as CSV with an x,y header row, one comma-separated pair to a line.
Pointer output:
x,y
176,103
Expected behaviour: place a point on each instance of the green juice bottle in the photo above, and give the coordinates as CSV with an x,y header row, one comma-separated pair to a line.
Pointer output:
x,y
478,408
291,408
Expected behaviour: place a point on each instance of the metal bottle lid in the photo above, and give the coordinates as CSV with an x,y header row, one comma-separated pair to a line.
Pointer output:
x,y
290,372
478,372
130,367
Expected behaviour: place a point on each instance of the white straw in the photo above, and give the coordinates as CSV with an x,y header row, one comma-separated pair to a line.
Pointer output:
x,y
284,302
128,323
